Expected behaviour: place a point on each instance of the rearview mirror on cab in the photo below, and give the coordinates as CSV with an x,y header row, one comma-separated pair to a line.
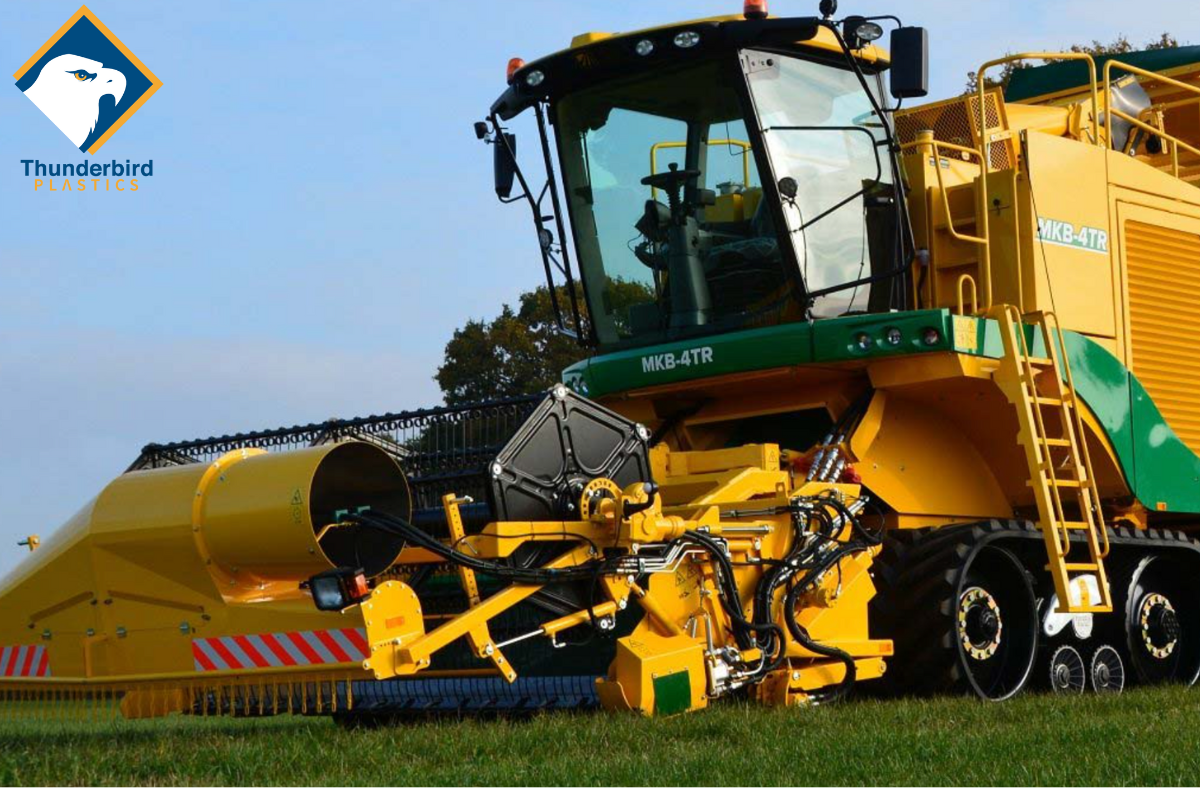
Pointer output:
x,y
504,149
910,62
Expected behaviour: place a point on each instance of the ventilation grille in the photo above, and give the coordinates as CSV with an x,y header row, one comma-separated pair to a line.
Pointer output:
x,y
1164,317
955,121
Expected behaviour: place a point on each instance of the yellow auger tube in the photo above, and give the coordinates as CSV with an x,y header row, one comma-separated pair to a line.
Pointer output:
x,y
164,561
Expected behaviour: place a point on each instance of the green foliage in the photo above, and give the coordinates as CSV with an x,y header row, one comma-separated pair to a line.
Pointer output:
x,y
519,352
1143,737
1118,46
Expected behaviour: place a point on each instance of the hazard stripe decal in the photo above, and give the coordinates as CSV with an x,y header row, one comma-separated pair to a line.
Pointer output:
x,y
24,662
278,650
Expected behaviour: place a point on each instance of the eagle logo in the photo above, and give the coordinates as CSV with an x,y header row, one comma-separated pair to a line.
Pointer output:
x,y
86,81
68,90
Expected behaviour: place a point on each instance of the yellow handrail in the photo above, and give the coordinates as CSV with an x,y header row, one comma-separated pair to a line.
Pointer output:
x,y
966,279
925,139
985,146
1176,143
745,146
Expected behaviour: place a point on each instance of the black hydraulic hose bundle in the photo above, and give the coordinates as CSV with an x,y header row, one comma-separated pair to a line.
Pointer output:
x,y
798,560
801,634
745,632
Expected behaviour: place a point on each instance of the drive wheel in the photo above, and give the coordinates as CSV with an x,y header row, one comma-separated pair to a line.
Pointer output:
x,y
1162,622
1107,671
996,624
961,611
1068,675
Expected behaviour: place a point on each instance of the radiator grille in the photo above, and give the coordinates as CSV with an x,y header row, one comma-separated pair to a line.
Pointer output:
x,y
1164,322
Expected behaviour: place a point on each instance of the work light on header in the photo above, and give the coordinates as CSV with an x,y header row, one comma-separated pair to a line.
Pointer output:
x,y
338,588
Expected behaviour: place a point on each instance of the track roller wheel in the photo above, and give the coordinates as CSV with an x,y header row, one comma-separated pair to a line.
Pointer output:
x,y
1107,671
961,611
996,624
1160,599
1068,675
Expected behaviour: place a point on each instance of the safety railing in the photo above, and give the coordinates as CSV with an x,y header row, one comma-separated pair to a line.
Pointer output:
x,y
1112,112
928,145
987,140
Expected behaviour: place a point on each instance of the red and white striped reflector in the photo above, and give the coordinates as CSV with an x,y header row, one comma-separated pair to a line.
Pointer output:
x,y
24,662
280,650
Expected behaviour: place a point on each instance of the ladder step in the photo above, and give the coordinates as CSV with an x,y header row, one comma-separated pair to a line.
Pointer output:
x,y
1081,567
1040,362
1059,442
1065,482
1091,609
1052,401
1075,526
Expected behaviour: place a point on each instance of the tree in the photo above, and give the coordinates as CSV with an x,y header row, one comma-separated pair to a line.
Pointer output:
x,y
519,352
1118,46
522,351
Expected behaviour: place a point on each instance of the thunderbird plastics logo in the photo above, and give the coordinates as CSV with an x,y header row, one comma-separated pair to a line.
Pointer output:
x,y
86,81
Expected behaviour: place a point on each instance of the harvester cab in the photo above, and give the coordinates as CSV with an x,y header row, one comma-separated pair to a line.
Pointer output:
x,y
873,393
719,174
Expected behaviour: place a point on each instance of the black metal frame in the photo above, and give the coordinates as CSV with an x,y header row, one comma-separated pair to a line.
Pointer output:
x,y
441,449
581,333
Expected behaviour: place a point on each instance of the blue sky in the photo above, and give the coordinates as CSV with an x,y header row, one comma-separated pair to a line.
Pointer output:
x,y
319,220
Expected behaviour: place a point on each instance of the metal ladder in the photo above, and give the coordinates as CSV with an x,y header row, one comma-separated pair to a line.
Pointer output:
x,y
1051,432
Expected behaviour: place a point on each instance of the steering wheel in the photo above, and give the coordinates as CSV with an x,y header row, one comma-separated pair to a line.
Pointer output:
x,y
670,179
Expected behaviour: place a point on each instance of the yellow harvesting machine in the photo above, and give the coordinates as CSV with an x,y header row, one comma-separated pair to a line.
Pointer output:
x,y
876,393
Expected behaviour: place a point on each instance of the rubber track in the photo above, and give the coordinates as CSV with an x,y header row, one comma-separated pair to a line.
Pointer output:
x,y
917,572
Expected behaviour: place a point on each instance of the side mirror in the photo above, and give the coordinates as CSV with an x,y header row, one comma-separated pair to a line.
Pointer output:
x,y
910,62
503,152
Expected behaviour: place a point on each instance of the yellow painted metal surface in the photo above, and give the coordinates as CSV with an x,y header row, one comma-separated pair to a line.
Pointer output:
x,y
1164,318
164,556
393,619
919,463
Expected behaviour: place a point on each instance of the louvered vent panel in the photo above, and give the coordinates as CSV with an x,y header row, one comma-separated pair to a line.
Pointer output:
x,y
1164,314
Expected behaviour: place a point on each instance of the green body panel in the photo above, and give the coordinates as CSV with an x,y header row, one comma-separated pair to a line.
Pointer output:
x,y
1167,471
673,693
791,344
1162,471
1027,83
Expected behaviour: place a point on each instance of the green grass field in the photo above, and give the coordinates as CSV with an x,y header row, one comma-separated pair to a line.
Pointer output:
x,y
1143,737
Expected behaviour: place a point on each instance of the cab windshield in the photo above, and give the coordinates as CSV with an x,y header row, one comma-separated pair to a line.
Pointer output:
x,y
676,235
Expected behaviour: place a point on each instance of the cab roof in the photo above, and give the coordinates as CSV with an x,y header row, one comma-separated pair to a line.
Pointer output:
x,y
824,38
595,56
